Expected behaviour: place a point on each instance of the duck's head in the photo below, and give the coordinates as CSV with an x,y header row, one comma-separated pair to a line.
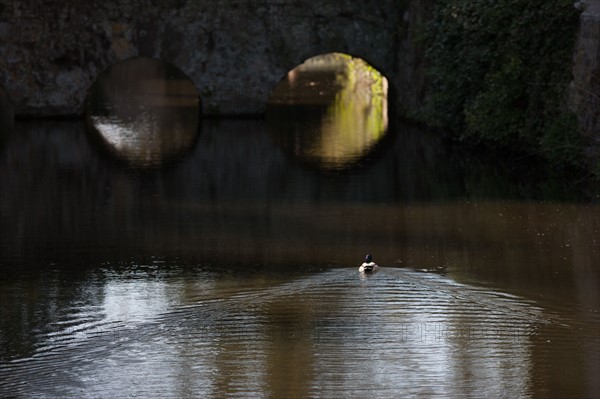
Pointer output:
x,y
368,258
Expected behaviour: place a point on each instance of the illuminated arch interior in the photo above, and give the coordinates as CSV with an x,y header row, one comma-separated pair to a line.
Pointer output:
x,y
330,111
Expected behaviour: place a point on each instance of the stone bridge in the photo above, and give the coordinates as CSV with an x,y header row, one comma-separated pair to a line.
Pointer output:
x,y
234,51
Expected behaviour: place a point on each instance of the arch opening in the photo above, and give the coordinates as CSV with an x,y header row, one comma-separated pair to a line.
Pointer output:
x,y
145,111
330,111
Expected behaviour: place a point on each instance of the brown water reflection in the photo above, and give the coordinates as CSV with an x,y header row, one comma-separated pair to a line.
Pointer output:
x,y
157,329
233,272
145,111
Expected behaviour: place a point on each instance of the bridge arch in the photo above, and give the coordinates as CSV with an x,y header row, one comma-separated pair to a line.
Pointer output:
x,y
382,67
152,62
145,111
330,112
234,52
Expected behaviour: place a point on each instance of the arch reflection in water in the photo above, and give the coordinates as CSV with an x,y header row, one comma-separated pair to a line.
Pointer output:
x,y
330,111
145,110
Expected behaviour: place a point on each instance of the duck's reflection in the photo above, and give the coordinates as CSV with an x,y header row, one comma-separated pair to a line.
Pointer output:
x,y
145,110
330,111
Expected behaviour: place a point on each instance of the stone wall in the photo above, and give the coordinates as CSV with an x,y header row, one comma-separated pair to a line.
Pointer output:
x,y
585,88
235,52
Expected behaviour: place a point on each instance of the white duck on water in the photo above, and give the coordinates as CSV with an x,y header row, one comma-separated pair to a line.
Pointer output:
x,y
368,266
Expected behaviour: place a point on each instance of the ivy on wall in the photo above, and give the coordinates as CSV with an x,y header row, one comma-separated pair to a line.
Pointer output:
x,y
499,71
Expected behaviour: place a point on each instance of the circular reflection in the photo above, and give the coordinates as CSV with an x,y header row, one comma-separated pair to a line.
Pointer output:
x,y
145,110
329,111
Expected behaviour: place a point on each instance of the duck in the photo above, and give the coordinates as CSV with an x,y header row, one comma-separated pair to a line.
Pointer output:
x,y
368,266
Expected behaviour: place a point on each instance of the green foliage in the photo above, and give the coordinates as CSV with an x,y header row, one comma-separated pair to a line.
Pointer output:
x,y
596,172
561,140
499,71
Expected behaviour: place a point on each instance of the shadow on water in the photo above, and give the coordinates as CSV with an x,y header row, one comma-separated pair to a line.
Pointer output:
x,y
237,186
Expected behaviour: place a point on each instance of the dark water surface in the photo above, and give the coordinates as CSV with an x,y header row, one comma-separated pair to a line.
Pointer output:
x,y
225,264
233,273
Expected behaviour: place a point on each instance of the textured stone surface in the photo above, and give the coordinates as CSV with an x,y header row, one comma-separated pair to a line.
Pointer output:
x,y
585,88
235,52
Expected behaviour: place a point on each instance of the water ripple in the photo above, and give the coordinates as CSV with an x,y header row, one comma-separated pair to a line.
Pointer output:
x,y
328,334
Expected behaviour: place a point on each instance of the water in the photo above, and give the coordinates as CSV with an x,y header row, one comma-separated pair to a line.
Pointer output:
x,y
228,268
160,329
